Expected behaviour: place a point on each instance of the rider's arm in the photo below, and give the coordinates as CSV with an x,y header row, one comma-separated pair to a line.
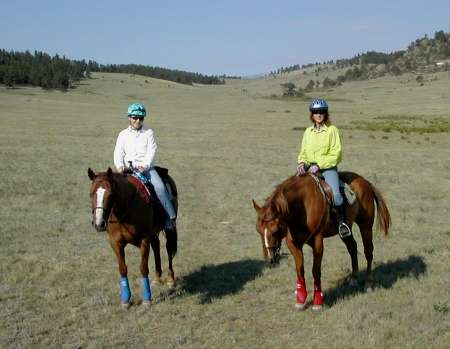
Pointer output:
x,y
302,156
119,154
150,151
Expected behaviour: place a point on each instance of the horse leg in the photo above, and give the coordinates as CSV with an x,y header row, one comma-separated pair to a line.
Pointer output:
x,y
366,234
352,249
316,271
297,253
171,281
146,290
119,249
154,242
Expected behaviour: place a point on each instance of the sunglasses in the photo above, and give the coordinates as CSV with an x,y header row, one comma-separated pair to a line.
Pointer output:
x,y
321,112
137,118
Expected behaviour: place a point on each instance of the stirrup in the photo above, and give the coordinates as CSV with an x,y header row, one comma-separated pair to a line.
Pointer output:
x,y
344,230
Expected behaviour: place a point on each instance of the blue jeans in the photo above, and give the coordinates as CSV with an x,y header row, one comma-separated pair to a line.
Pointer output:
x,y
332,178
161,192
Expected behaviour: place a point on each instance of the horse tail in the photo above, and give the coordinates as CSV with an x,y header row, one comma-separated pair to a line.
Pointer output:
x,y
172,234
171,242
383,215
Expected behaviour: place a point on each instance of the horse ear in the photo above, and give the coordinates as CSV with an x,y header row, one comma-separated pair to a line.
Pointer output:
x,y
109,172
92,175
255,205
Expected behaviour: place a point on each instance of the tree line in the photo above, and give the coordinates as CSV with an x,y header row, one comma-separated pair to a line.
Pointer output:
x,y
40,69
182,77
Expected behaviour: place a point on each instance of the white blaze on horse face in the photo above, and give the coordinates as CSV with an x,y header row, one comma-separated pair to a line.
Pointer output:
x,y
266,239
99,207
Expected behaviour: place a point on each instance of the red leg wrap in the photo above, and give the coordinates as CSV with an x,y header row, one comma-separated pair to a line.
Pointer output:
x,y
301,291
319,298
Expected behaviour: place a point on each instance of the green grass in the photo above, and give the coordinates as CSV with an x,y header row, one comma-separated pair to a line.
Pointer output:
x,y
59,278
402,124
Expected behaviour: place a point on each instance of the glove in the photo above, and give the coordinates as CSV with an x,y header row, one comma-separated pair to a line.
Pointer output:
x,y
313,169
301,169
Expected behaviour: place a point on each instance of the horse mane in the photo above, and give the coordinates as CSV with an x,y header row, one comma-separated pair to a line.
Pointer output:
x,y
277,200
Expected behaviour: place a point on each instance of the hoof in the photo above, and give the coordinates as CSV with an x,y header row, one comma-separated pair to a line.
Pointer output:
x,y
300,306
317,307
171,283
146,304
125,305
156,282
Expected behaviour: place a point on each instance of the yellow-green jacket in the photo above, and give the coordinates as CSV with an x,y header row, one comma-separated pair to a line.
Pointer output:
x,y
322,147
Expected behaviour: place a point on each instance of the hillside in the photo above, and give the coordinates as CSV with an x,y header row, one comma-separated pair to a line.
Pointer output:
x,y
424,55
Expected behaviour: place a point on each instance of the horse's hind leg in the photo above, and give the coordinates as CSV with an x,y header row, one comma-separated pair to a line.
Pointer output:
x,y
170,255
366,235
171,281
154,242
352,249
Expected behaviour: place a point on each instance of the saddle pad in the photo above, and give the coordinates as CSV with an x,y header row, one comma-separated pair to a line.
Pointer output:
x,y
348,192
141,188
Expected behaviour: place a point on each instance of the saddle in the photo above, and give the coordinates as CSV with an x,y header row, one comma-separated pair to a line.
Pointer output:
x,y
347,193
145,187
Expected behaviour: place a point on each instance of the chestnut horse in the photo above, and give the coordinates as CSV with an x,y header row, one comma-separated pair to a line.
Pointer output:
x,y
299,211
120,208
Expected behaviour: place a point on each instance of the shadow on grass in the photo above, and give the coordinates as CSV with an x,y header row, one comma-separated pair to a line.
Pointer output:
x,y
216,281
384,275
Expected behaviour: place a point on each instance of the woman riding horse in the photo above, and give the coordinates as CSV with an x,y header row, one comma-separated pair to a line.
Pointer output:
x,y
136,145
321,152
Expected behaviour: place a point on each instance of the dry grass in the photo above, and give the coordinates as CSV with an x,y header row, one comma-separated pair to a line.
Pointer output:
x,y
59,278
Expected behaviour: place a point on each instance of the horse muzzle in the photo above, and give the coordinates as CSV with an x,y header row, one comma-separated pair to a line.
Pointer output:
x,y
273,255
99,227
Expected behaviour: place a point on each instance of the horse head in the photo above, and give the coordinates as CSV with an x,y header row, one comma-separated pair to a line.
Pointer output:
x,y
101,197
269,224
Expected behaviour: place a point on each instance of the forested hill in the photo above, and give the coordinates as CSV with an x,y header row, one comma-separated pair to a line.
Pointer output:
x,y
182,77
40,69
420,55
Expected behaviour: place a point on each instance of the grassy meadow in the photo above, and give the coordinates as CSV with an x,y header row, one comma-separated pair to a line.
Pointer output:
x,y
224,145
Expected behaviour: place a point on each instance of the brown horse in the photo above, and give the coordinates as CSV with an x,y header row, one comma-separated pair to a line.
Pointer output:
x,y
129,217
299,211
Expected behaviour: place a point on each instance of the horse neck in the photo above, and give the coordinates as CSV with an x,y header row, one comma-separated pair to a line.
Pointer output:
x,y
288,198
123,191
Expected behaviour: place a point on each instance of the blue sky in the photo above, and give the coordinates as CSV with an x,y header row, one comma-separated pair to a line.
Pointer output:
x,y
217,37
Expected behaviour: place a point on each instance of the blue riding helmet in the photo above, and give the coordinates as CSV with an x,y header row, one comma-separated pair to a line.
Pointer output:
x,y
137,109
318,104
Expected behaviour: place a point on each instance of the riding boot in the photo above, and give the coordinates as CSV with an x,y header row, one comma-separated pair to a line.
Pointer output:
x,y
343,229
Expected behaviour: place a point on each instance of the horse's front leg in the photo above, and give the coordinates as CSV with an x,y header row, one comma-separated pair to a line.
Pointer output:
x,y
316,271
118,247
297,253
146,290
154,241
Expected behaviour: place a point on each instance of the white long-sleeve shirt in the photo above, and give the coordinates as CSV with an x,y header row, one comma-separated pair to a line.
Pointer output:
x,y
138,146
